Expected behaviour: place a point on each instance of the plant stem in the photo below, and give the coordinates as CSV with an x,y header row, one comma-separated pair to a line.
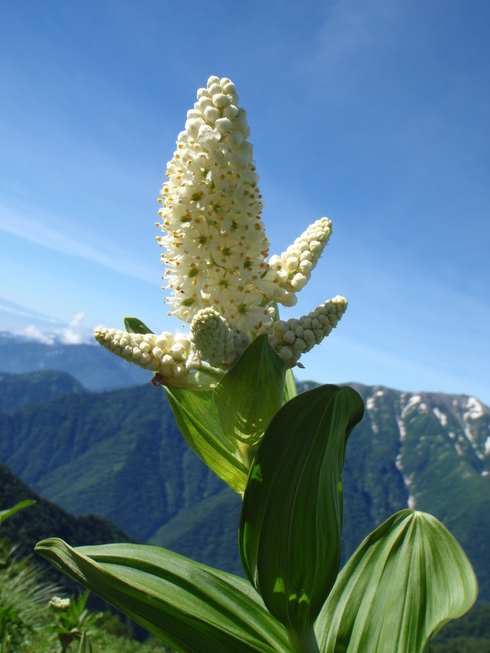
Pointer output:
x,y
303,642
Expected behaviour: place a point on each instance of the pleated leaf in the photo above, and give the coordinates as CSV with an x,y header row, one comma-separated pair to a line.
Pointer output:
x,y
194,608
134,325
402,584
197,418
291,516
251,393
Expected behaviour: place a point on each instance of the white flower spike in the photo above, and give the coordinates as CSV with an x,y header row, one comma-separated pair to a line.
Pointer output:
x,y
215,245
216,249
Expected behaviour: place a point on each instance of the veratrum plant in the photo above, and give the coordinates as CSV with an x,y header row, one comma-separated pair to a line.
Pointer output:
x,y
233,395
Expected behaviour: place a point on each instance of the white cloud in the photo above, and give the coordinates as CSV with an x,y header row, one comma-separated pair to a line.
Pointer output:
x,y
33,333
76,333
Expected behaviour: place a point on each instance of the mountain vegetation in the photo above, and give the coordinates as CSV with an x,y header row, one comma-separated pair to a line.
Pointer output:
x,y
21,389
119,454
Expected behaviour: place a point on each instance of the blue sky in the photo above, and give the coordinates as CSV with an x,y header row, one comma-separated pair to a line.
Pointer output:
x,y
373,113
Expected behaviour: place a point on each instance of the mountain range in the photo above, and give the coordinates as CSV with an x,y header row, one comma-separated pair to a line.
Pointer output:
x,y
119,454
88,364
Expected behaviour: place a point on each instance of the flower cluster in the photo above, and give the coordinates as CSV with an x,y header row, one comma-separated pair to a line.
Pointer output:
x,y
216,249
172,356
215,245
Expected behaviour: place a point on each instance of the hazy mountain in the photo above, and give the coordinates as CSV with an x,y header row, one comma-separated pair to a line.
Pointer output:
x,y
120,455
24,389
94,367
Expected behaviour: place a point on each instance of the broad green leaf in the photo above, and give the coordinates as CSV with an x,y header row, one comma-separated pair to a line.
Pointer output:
x,y
133,325
5,514
197,419
194,608
290,389
402,584
291,517
251,393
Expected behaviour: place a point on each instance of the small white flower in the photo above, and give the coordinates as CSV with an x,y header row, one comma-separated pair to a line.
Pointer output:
x,y
58,603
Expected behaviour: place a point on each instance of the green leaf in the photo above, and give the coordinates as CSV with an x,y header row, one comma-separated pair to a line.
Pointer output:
x,y
203,379
290,389
197,419
85,645
194,608
402,584
291,517
133,325
251,393
5,514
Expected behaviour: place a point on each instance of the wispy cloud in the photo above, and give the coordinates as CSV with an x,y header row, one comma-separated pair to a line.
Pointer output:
x,y
351,33
38,228
21,312
25,323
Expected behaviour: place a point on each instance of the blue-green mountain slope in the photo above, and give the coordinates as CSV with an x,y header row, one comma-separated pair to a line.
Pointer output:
x,y
89,364
23,389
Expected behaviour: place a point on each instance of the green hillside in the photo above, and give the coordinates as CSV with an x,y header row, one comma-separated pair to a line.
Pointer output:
x,y
23,389
206,531
45,518
117,454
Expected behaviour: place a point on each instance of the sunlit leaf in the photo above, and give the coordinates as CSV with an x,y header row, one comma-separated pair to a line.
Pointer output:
x,y
290,389
194,608
291,517
404,581
197,418
133,325
251,393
